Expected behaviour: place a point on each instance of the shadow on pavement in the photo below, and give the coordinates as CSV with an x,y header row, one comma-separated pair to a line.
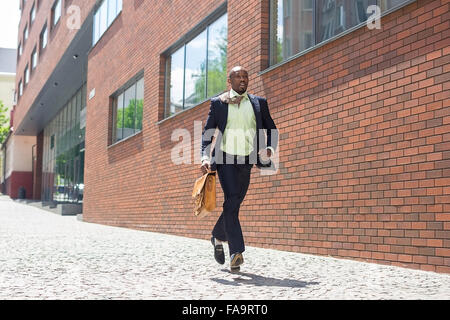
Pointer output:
x,y
256,280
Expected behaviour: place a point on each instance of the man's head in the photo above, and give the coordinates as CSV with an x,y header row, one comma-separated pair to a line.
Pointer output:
x,y
238,79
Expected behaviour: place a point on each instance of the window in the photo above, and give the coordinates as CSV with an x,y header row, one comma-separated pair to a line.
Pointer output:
x,y
112,11
25,33
44,37
334,17
34,60
104,16
56,12
20,49
128,110
308,4
27,75
20,88
389,4
32,13
297,25
197,70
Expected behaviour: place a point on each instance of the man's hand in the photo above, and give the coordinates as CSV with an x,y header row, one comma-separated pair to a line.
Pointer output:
x,y
205,166
266,154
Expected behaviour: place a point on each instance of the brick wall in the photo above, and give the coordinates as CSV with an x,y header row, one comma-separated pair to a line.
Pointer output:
x,y
364,123
19,179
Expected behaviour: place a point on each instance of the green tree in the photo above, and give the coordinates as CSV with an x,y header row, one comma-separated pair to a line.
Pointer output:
x,y
279,51
131,116
217,68
4,122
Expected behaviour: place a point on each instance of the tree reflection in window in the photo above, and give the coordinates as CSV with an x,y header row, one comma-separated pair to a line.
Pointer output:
x,y
197,70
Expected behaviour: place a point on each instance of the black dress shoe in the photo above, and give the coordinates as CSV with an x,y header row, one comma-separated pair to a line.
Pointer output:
x,y
218,251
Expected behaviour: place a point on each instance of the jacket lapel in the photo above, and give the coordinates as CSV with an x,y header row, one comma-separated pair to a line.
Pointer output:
x,y
224,118
257,110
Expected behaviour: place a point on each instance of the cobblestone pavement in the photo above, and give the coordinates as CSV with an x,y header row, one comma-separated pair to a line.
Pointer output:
x,y
47,256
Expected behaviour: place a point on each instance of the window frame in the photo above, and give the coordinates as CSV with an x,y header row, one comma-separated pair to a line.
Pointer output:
x,y
114,107
182,43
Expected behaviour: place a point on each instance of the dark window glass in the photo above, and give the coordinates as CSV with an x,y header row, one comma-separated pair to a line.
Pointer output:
x,y
44,37
56,12
334,17
34,59
294,25
32,14
389,4
25,34
27,74
297,25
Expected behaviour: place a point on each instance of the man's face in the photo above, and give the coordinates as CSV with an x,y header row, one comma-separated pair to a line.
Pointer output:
x,y
239,81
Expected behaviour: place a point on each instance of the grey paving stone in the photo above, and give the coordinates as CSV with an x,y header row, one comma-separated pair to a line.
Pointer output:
x,y
48,256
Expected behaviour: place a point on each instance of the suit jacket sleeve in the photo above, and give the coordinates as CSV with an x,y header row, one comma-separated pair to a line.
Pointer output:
x,y
208,132
269,125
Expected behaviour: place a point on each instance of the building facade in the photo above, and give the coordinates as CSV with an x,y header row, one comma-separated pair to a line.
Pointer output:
x,y
362,105
16,151
7,86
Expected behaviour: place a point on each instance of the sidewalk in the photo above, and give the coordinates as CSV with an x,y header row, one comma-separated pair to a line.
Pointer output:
x,y
47,256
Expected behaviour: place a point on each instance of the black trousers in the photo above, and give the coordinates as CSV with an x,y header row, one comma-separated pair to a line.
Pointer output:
x,y
234,178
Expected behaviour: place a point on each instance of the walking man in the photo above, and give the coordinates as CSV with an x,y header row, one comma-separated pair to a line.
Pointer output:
x,y
242,119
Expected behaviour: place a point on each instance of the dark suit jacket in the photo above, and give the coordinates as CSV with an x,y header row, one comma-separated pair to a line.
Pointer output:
x,y
217,118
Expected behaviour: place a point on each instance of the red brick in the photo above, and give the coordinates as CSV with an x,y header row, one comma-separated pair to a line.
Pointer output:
x,y
443,216
444,252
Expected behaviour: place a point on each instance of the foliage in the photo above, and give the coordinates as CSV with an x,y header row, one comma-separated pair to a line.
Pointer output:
x,y
4,123
217,73
279,52
130,114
